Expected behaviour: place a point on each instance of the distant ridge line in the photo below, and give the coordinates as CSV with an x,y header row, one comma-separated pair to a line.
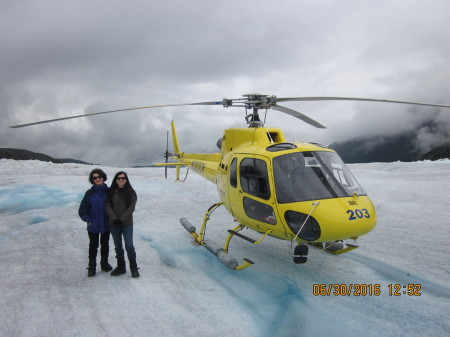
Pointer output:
x,y
21,154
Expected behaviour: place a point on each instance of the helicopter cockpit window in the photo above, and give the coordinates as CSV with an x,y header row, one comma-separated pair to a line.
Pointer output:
x,y
233,173
305,176
254,179
334,164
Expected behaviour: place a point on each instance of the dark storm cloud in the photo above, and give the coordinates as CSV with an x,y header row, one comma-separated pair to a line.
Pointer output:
x,y
70,58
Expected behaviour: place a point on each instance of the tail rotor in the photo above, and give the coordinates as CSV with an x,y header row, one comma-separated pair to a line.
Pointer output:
x,y
166,154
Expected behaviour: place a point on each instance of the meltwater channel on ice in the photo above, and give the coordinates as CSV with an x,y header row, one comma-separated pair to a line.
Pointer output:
x,y
184,291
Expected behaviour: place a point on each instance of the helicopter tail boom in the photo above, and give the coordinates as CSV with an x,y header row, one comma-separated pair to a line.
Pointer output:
x,y
204,164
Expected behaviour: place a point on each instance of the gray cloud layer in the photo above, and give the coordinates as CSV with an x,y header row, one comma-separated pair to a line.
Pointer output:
x,y
66,58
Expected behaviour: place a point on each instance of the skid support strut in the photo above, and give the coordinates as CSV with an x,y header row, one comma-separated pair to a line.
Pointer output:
x,y
221,253
235,231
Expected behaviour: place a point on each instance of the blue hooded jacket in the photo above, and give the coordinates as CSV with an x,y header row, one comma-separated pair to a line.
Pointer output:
x,y
92,209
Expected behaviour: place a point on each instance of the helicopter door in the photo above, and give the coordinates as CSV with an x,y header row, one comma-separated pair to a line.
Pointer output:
x,y
250,195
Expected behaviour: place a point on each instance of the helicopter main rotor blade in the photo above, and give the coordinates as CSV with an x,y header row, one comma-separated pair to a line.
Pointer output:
x,y
306,99
298,115
111,111
259,101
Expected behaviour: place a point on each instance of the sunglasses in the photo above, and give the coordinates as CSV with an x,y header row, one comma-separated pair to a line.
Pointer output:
x,y
121,178
97,177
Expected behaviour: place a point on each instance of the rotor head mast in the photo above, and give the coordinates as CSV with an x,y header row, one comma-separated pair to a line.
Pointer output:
x,y
254,103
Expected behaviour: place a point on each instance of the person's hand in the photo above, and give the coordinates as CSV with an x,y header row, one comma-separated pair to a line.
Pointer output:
x,y
117,222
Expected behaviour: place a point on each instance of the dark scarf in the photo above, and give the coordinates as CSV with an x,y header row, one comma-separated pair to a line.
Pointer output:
x,y
126,193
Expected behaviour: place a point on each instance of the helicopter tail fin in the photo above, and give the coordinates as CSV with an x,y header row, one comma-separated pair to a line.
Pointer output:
x,y
205,164
176,147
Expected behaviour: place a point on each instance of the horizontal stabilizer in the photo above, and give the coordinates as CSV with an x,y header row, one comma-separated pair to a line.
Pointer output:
x,y
169,164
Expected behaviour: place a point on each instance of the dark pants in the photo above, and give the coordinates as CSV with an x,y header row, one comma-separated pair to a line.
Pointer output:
x,y
93,246
127,232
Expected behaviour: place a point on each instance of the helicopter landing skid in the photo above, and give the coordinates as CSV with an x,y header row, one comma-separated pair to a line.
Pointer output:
x,y
218,251
335,247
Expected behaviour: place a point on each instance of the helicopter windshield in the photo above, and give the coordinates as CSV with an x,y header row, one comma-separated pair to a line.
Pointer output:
x,y
302,176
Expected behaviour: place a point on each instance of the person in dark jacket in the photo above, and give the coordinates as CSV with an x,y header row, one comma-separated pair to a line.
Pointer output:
x,y
120,207
92,211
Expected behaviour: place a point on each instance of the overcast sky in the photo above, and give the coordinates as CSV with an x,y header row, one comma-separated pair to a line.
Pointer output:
x,y
61,58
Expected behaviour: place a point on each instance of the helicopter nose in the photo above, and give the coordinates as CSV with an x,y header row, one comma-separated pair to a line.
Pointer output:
x,y
332,219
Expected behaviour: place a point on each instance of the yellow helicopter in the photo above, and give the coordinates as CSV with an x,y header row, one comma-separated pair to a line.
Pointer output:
x,y
300,192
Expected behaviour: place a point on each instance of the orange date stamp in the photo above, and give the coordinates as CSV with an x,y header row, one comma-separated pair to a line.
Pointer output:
x,y
365,289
